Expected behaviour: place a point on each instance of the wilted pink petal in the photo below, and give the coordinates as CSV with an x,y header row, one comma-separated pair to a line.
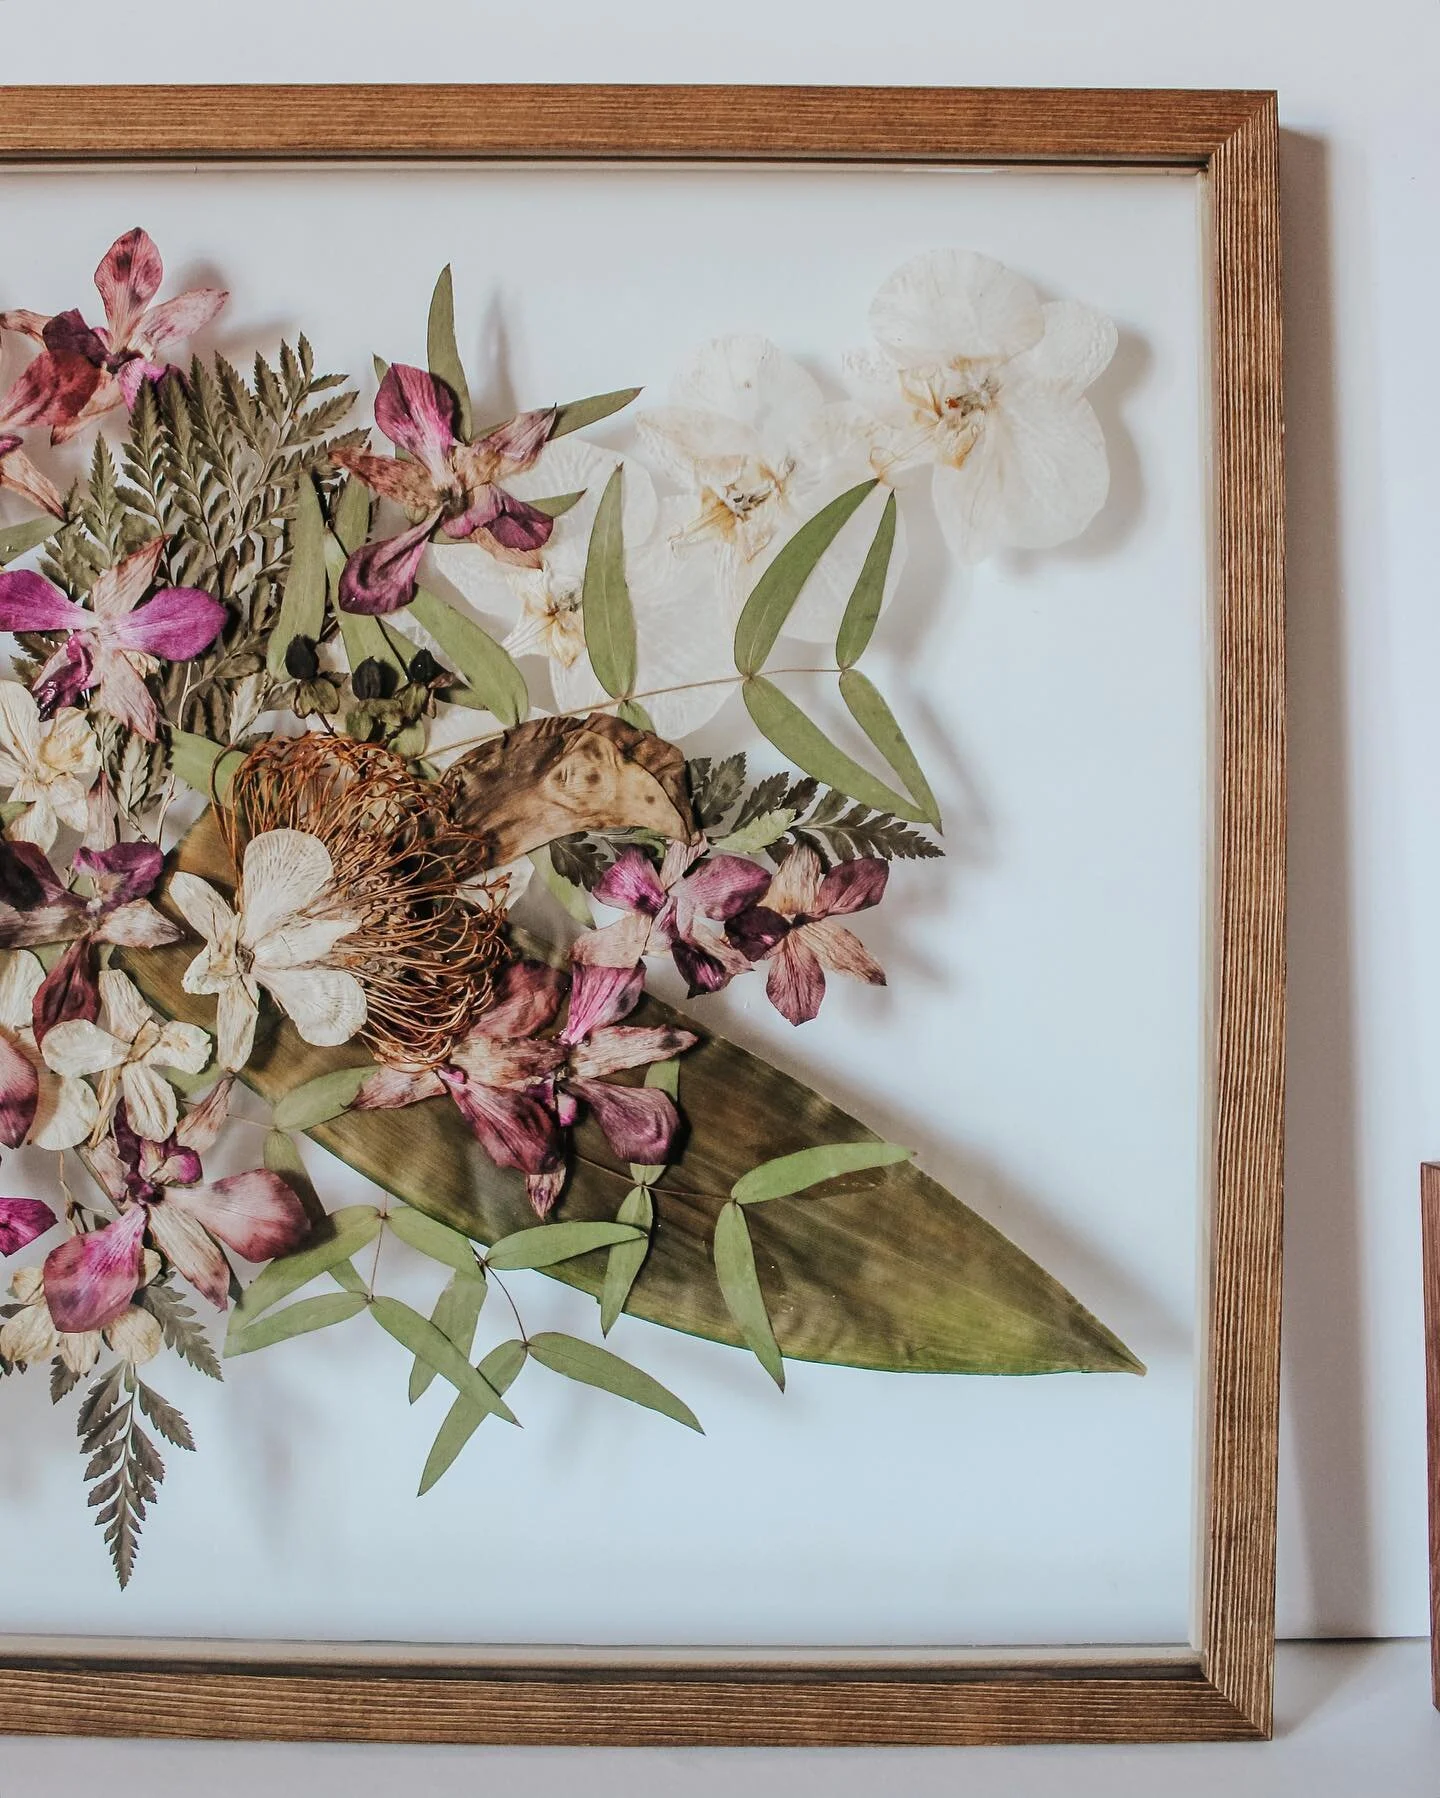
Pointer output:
x,y
514,1129
135,373
640,1123
841,951
122,692
621,1046
567,1106
487,502
106,397
518,442
67,334
68,991
796,886
405,482
53,390
25,322
19,1092
122,872
257,1214
630,883
720,888
176,321
29,887
417,412
190,1248
128,278
514,1061
20,475
516,525
28,602
542,1190
170,1164
600,996
755,932
91,1279
528,997
121,588
852,886
796,981
66,677
137,926
387,1089
176,625
380,577
21,1222
200,1126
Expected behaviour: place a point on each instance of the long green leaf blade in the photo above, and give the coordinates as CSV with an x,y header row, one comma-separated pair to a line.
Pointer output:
x,y
207,767
774,595
20,538
778,718
456,1316
627,1258
575,415
441,350
298,1319
608,616
786,1174
419,1335
302,605
350,515
321,1099
593,1366
490,670
549,1243
354,1227
863,609
436,1240
498,1369
740,1288
878,722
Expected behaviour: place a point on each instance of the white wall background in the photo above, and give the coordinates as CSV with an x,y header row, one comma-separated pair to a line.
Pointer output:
x,y
1360,163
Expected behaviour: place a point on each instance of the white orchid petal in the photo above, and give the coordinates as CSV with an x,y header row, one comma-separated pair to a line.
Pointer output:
x,y
19,724
21,979
237,1011
284,871
1075,351
77,1047
149,1101
300,945
687,444
68,746
37,825
184,1047
123,1011
326,1005
747,377
951,305
202,908
65,1112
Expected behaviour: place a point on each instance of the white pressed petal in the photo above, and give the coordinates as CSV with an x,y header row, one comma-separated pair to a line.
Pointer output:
x,y
236,1013
65,1112
78,1047
572,465
19,725
37,825
301,945
748,377
70,798
202,908
149,1101
68,746
949,305
284,871
28,1336
202,975
135,1335
326,1005
20,980
184,1047
690,445
1075,351
123,1012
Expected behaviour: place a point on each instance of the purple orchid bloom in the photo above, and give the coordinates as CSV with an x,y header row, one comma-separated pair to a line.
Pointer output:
x,y
112,644
21,1221
37,908
674,912
454,486
158,1190
518,1090
794,928
83,372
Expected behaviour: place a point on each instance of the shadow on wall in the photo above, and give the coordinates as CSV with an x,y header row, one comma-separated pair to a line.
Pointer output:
x,y
1326,1564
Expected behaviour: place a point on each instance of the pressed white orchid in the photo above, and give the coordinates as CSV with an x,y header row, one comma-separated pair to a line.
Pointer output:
x,y
49,765
978,378
65,1107
756,449
126,1050
282,935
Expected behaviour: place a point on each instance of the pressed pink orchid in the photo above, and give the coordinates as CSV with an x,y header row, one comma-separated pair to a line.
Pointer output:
x,y
37,908
672,911
83,372
157,1187
21,1221
518,1090
794,928
453,486
112,644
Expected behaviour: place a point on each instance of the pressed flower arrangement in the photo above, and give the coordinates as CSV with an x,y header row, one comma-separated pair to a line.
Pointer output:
x,y
282,817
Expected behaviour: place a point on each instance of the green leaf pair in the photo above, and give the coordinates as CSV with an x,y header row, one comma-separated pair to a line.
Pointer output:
x,y
637,1208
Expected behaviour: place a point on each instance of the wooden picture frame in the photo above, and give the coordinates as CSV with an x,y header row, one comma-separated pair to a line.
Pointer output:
x,y
1223,1689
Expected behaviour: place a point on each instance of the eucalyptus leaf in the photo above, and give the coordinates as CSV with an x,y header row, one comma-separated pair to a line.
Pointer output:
x,y
317,1101
556,505
18,539
419,1335
627,1258
592,1366
499,1370
866,597
441,349
350,515
490,670
575,415
608,616
773,597
575,899
207,767
787,1174
353,1228
298,1319
546,1244
302,605
456,1315
878,722
778,718
740,1288
436,1240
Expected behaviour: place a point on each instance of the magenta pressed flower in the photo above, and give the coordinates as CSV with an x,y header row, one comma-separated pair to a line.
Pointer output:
x,y
37,908
84,371
114,642
794,929
21,1221
454,487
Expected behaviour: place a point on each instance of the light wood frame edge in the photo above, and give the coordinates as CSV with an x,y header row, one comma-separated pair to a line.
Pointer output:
x,y
1233,137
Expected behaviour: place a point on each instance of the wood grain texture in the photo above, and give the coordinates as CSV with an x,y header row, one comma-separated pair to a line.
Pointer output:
x,y
1430,1264
1231,136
